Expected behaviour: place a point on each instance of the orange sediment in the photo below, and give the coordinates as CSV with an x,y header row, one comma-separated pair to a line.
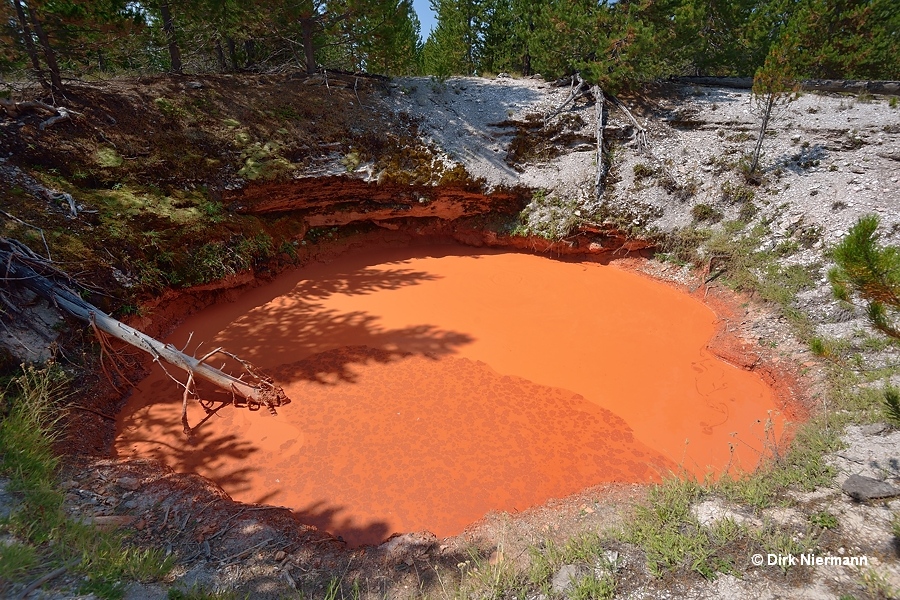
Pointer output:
x,y
431,385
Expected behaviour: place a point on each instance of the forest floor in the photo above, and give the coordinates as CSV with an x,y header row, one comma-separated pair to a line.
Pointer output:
x,y
163,172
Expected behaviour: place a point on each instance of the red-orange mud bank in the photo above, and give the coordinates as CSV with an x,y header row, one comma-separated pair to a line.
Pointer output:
x,y
433,384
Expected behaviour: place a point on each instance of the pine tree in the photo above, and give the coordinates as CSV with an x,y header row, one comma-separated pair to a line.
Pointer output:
x,y
455,45
871,272
511,34
772,84
381,36
846,39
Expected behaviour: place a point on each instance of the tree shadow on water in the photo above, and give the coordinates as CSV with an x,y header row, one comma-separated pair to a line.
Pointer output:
x,y
299,326
328,518
364,280
203,451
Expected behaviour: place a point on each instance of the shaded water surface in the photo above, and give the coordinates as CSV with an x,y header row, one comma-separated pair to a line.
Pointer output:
x,y
433,384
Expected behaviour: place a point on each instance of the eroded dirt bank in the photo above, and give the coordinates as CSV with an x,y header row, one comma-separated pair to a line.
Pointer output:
x,y
433,384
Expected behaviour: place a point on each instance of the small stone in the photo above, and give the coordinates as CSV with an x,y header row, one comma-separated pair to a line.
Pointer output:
x,y
279,556
564,578
128,483
140,524
864,488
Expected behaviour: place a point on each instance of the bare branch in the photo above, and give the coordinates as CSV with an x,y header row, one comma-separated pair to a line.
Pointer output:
x,y
43,278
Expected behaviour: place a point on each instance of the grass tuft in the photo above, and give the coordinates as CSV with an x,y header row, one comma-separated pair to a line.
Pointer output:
x,y
39,524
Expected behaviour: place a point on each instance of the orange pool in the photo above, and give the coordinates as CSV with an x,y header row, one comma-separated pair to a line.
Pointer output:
x,y
433,384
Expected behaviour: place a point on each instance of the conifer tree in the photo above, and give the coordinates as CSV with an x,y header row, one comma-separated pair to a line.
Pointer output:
x,y
870,271
771,85
454,47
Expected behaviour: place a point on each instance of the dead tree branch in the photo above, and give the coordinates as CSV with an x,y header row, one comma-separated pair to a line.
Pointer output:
x,y
16,109
642,140
580,88
18,264
602,165
575,92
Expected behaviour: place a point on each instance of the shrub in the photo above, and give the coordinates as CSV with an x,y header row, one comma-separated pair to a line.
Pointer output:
x,y
869,271
706,213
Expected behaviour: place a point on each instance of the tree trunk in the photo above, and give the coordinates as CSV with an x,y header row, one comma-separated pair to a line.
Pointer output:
x,y
307,25
49,55
29,43
220,56
232,54
767,113
599,101
169,29
22,266
250,51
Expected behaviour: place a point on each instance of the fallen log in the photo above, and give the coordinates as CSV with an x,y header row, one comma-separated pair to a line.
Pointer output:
x,y
21,266
17,109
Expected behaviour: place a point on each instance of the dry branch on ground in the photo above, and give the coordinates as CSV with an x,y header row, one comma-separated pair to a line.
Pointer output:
x,y
23,267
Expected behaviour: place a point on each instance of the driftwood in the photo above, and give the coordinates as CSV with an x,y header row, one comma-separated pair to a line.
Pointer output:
x,y
19,265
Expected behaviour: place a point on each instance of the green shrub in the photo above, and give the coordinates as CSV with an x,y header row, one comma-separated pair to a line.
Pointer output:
x,y
869,271
892,404
704,213
642,171
736,194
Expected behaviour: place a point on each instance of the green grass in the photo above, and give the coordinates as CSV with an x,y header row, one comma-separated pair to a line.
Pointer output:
x,y
671,536
594,587
17,560
43,532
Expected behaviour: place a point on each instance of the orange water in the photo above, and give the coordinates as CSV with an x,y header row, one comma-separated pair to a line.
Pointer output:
x,y
431,385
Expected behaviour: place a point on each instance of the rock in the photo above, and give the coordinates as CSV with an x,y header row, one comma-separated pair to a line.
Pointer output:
x,y
710,512
564,578
873,428
864,488
143,591
129,483
194,85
